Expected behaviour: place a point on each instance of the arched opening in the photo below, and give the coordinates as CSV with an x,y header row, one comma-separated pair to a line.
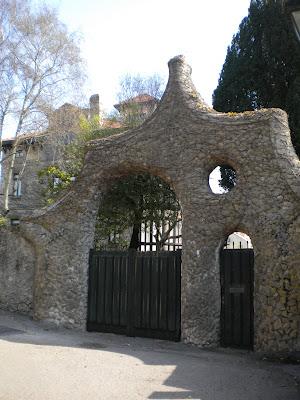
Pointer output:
x,y
237,282
135,268
141,212
238,240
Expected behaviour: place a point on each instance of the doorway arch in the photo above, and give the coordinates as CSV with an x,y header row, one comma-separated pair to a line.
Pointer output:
x,y
139,211
135,292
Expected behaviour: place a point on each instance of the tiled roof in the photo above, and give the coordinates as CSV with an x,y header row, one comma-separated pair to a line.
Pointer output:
x,y
106,123
141,98
24,136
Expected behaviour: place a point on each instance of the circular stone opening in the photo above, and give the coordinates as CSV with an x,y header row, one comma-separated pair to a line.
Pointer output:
x,y
222,179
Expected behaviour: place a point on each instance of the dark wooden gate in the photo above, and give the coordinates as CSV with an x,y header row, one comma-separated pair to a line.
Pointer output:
x,y
135,293
237,297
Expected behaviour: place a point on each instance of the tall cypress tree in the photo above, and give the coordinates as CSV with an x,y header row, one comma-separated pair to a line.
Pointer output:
x,y
262,67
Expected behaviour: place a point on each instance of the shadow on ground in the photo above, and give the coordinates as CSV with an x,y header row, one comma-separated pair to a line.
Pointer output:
x,y
197,374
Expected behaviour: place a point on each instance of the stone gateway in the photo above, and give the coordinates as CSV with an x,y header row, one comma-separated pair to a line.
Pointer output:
x,y
182,142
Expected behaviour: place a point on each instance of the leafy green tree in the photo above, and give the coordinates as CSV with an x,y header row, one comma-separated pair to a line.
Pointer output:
x,y
133,201
262,67
74,152
57,177
228,177
54,180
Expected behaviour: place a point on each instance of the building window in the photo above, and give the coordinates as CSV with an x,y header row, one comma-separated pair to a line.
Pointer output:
x,y
19,153
56,182
17,186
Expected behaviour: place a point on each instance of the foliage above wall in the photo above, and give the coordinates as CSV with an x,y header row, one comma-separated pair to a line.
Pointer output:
x,y
56,178
262,67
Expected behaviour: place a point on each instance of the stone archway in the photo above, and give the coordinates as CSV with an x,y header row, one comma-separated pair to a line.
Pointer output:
x,y
182,142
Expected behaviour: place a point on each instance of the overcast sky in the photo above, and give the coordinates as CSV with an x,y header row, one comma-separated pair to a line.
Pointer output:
x,y
140,36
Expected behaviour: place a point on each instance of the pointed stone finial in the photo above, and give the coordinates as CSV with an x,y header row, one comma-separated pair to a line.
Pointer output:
x,y
181,85
179,65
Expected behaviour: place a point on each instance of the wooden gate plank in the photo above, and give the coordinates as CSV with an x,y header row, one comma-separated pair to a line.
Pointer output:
x,y
247,305
146,292
123,290
178,296
101,261
228,320
116,291
154,284
163,294
171,293
92,289
236,260
108,287
138,293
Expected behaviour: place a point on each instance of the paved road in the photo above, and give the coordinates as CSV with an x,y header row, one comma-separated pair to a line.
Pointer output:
x,y
41,363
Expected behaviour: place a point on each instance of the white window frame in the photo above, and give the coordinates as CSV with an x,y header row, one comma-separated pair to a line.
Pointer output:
x,y
17,186
56,181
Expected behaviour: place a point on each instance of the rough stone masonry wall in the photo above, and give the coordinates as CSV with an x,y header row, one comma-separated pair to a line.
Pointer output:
x,y
182,142
17,266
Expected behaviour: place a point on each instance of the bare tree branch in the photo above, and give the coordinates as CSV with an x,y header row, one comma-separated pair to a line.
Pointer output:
x,y
37,69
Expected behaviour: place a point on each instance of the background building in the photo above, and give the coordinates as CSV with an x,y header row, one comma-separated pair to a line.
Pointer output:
x,y
35,151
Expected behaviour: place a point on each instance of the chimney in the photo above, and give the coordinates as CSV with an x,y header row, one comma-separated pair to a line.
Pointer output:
x,y
94,106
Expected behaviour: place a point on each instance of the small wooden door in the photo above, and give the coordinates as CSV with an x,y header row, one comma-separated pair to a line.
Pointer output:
x,y
237,297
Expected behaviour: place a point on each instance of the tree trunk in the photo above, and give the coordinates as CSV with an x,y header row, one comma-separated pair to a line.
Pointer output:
x,y
135,237
7,180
